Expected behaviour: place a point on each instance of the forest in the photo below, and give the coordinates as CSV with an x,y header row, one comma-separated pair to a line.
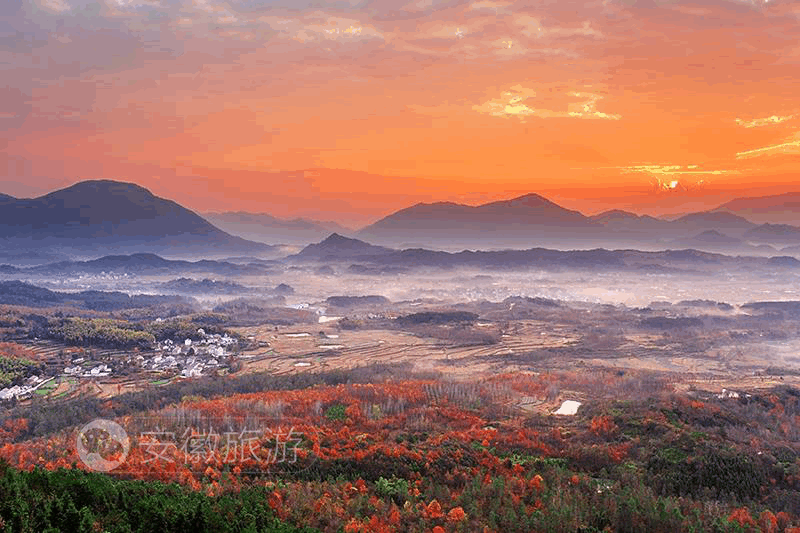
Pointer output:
x,y
423,454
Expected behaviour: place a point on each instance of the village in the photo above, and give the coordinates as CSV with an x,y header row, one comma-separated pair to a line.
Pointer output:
x,y
63,369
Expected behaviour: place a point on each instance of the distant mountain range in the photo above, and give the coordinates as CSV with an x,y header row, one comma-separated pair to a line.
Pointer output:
x,y
110,215
519,221
532,220
20,293
149,264
775,209
262,227
106,217
371,259
337,247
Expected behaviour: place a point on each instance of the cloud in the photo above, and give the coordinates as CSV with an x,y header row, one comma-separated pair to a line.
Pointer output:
x,y
789,147
768,121
535,27
674,178
673,170
320,26
59,6
521,102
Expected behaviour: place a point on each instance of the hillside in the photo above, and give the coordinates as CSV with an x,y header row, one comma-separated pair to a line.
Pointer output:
x,y
262,227
715,220
519,219
775,234
21,293
532,220
339,247
143,264
107,213
775,209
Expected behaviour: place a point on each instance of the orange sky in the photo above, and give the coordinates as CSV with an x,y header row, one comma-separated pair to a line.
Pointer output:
x,y
649,105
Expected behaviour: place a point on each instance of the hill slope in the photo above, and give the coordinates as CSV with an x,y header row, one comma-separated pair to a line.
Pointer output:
x,y
518,220
778,208
105,213
262,227
338,247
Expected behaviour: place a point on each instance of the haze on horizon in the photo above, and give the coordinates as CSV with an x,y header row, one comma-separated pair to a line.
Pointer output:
x,y
351,110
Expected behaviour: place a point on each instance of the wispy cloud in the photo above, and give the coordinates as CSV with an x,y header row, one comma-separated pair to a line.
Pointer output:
x,y
673,170
789,147
674,178
522,102
321,26
759,122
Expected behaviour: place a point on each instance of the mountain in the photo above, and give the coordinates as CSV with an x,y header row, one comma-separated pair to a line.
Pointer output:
x,y
620,218
630,228
714,241
21,293
526,220
337,247
714,237
372,259
784,261
782,234
143,264
533,220
711,220
110,214
262,227
711,240
204,286
779,208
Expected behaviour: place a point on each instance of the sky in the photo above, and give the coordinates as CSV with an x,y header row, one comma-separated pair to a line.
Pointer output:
x,y
350,109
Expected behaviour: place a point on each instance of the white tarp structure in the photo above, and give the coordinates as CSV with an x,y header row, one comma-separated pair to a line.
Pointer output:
x,y
569,407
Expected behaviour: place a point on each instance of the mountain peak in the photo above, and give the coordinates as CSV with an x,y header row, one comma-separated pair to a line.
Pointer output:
x,y
615,214
108,211
90,190
526,200
336,245
336,239
719,217
780,208
531,197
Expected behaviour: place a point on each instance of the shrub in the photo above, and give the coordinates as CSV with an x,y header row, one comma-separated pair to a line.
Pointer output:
x,y
394,488
336,413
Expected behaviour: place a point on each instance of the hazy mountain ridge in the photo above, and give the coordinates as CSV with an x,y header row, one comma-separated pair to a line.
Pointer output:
x,y
142,263
112,215
337,249
774,209
519,219
532,220
21,293
263,227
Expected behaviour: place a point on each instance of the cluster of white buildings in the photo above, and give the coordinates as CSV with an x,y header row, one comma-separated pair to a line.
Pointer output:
x,y
22,392
191,357
189,365
96,371
215,345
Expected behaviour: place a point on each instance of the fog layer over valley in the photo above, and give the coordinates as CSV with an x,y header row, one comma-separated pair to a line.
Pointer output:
x,y
431,388
706,314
